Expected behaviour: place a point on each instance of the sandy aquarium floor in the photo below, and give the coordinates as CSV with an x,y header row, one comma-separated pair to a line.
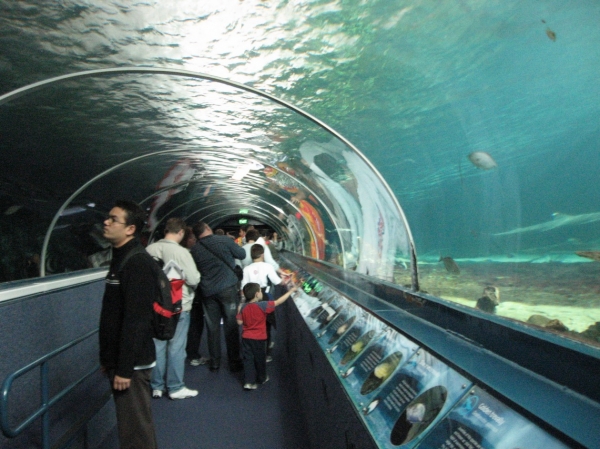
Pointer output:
x,y
564,291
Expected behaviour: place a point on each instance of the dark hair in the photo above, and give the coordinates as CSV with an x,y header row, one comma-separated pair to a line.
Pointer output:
x,y
253,235
188,232
256,251
243,228
174,225
250,290
199,228
219,232
134,215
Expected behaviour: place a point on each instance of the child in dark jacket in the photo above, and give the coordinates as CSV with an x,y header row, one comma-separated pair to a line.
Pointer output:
x,y
253,318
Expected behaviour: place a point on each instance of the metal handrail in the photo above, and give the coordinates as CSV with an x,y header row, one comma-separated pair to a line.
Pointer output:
x,y
46,401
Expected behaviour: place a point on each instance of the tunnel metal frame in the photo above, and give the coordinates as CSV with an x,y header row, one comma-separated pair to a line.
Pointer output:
x,y
185,73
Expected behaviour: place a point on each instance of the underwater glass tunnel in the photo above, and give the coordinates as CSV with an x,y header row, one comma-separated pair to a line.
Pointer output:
x,y
478,118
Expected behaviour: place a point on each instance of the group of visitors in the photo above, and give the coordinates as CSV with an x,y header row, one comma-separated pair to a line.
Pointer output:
x,y
140,367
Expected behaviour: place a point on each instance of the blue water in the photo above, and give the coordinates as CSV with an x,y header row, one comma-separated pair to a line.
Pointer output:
x,y
415,86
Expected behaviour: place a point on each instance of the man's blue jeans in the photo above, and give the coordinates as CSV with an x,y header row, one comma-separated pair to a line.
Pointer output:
x,y
170,358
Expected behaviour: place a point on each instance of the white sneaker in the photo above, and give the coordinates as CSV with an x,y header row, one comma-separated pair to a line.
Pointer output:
x,y
200,361
269,359
183,393
156,394
250,386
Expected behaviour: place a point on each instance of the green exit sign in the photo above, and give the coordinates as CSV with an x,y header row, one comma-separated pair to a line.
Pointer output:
x,y
243,211
243,221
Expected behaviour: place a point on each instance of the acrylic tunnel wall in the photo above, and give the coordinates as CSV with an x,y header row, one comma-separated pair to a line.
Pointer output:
x,y
209,150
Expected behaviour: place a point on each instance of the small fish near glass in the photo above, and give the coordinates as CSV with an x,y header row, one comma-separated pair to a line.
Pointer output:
x,y
450,265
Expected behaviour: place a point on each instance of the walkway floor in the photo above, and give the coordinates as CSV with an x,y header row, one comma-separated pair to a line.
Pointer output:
x,y
223,415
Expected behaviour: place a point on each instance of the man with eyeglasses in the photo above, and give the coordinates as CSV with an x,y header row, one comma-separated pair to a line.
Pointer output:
x,y
127,352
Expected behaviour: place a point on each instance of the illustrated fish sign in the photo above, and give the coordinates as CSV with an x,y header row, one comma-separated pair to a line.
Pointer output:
x,y
182,171
316,224
483,160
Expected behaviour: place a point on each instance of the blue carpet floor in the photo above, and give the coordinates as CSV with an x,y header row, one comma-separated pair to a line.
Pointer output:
x,y
223,415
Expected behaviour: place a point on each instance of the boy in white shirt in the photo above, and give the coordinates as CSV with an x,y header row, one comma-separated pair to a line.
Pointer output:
x,y
261,273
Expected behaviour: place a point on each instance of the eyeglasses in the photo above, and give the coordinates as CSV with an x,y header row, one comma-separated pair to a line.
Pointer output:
x,y
113,219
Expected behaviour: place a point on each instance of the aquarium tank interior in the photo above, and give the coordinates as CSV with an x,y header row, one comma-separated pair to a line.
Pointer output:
x,y
448,147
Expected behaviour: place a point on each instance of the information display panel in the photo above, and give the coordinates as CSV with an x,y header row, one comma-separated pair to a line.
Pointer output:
x,y
339,325
317,313
407,397
480,421
356,339
416,396
375,365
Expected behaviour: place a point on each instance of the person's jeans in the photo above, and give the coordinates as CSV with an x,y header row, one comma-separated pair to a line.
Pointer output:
x,y
223,305
170,358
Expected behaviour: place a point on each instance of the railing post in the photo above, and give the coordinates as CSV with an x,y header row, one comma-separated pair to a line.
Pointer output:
x,y
45,399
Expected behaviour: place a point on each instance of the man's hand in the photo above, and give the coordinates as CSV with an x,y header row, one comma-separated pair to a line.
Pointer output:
x,y
120,383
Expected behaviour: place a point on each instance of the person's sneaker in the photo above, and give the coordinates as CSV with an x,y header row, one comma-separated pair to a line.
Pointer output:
x,y
271,345
183,393
250,386
156,394
200,361
266,380
269,359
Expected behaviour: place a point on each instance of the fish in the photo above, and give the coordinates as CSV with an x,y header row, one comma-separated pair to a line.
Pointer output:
x,y
558,220
483,160
450,265
551,34
489,300
594,255
493,293
12,209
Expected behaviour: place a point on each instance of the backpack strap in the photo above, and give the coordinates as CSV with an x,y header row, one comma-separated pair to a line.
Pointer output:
x,y
136,250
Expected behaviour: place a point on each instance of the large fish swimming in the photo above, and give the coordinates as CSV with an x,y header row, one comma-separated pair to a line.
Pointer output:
x,y
594,255
483,160
558,220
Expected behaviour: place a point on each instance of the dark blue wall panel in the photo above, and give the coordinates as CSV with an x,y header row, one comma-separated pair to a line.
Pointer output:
x,y
36,325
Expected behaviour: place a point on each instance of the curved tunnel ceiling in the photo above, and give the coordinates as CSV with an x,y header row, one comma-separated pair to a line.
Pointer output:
x,y
215,149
